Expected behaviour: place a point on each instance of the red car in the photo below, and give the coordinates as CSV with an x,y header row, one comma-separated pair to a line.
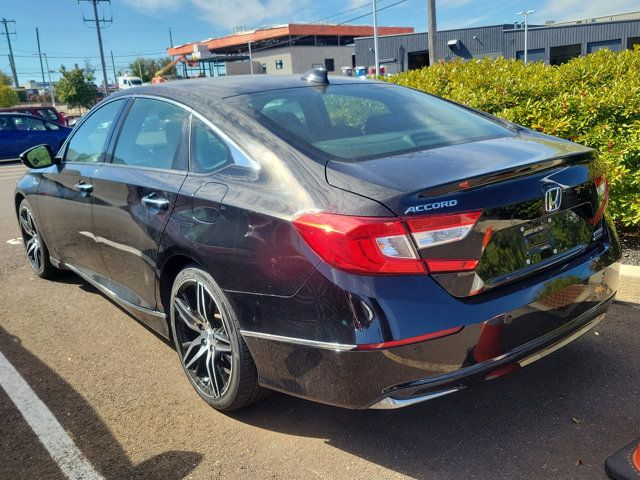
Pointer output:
x,y
48,113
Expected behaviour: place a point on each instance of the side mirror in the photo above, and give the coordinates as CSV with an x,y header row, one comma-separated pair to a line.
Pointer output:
x,y
40,156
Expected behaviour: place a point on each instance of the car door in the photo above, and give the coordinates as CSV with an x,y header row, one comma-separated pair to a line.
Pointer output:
x,y
65,195
135,192
8,142
30,131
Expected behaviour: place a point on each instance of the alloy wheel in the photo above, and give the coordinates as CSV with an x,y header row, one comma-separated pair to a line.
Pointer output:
x,y
202,336
31,238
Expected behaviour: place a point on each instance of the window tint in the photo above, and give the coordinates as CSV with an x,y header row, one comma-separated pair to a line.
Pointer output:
x,y
28,123
153,136
287,111
48,114
6,124
88,141
208,152
363,121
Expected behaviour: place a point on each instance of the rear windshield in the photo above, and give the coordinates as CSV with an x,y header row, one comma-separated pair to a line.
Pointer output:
x,y
363,121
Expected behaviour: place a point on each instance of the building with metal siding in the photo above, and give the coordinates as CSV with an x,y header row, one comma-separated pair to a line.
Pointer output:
x,y
551,44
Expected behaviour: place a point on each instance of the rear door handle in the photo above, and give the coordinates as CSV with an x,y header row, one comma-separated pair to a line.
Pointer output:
x,y
84,187
155,200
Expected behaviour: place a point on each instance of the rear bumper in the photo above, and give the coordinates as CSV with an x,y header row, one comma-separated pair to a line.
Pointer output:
x,y
306,345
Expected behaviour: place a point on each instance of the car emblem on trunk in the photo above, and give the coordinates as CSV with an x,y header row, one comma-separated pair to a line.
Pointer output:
x,y
552,199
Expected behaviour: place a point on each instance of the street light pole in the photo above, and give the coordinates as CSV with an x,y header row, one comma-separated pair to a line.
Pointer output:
x,y
526,13
375,37
431,36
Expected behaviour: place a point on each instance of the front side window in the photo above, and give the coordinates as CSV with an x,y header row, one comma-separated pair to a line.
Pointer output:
x,y
356,122
52,126
153,136
28,123
89,141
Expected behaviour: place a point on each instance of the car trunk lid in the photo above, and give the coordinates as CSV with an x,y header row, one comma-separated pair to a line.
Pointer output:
x,y
536,195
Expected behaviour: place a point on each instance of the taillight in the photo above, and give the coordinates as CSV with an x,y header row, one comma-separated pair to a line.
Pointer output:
x,y
602,187
378,245
360,244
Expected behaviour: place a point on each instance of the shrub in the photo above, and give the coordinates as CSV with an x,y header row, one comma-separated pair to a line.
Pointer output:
x,y
8,96
592,100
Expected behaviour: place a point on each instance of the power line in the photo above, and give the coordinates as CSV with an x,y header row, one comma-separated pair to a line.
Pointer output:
x,y
99,23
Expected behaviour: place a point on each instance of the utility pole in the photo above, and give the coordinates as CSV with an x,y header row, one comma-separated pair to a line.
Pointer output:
x,y
40,54
12,61
250,59
99,23
526,36
376,56
433,33
170,38
53,92
113,65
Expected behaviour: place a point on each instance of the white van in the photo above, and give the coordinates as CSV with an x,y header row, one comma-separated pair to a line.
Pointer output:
x,y
128,81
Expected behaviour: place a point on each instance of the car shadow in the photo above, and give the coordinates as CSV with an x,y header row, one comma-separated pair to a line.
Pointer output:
x,y
24,457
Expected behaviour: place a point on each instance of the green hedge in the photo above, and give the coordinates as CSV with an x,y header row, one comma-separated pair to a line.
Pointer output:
x,y
592,100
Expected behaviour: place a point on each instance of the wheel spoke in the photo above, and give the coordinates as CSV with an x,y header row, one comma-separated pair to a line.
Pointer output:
x,y
222,348
187,316
27,223
31,245
201,301
203,348
213,381
192,344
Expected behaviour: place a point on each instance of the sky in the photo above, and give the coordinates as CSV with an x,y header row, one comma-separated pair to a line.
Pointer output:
x,y
141,27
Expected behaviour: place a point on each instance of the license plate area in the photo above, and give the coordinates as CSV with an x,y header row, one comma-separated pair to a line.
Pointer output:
x,y
523,246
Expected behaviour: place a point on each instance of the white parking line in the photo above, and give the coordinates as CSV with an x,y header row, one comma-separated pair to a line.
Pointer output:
x,y
44,424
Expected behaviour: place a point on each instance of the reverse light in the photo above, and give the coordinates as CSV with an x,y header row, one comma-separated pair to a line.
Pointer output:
x,y
379,245
602,187
441,229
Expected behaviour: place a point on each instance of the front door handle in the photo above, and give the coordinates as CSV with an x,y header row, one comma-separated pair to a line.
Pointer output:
x,y
84,187
155,200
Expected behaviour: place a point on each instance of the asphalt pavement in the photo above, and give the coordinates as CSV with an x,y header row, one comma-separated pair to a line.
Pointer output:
x,y
120,395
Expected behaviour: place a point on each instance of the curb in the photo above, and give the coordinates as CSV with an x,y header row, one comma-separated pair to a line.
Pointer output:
x,y
630,271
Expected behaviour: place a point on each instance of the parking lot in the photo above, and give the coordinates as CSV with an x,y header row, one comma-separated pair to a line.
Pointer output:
x,y
119,393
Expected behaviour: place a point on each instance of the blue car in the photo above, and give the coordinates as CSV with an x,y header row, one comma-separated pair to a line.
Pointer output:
x,y
19,131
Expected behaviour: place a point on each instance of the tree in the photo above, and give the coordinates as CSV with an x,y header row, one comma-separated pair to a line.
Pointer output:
x,y
146,68
8,96
76,87
5,79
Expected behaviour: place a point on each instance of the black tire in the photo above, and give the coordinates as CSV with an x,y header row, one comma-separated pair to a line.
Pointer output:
x,y
212,352
37,251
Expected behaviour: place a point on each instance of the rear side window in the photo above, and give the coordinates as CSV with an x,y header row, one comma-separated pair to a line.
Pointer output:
x,y
153,136
208,152
361,121
88,141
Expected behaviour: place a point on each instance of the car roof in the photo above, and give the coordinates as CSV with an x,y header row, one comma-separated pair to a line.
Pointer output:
x,y
18,114
224,87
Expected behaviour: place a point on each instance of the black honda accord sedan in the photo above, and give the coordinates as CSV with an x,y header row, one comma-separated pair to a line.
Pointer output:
x,y
351,242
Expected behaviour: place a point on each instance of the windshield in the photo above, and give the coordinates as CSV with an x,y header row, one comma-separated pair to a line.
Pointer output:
x,y
135,82
363,121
